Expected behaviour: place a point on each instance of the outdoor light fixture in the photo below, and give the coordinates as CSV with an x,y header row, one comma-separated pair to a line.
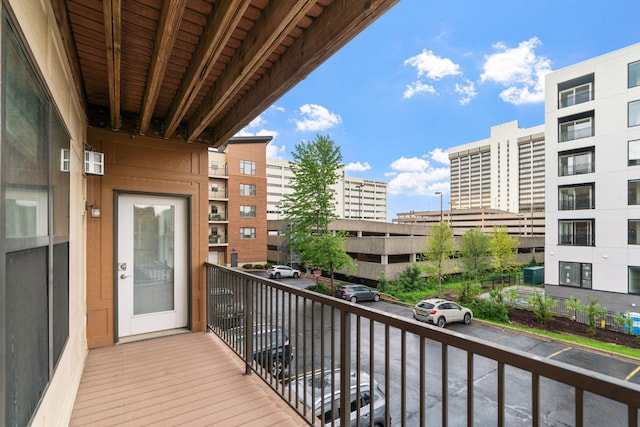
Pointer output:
x,y
95,209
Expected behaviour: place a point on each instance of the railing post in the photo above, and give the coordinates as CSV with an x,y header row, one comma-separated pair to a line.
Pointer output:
x,y
345,368
248,326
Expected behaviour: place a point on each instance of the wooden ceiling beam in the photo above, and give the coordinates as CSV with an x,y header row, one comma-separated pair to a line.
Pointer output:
x,y
113,35
273,26
340,22
223,21
168,26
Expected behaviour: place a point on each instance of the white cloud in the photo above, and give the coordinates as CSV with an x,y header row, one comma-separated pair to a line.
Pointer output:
x,y
412,164
432,66
466,91
357,167
275,151
316,118
520,70
417,87
415,176
440,156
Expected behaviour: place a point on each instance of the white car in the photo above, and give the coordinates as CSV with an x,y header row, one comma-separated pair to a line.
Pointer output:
x,y
315,391
440,312
278,271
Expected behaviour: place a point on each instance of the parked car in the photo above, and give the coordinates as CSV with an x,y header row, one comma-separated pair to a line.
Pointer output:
x,y
271,350
278,271
440,312
226,311
326,406
355,293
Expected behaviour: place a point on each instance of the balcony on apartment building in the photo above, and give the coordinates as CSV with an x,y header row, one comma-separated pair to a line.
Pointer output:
x,y
218,194
216,239
218,217
276,354
219,172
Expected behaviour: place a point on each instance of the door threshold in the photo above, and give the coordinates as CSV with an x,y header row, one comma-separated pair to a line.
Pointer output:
x,y
152,335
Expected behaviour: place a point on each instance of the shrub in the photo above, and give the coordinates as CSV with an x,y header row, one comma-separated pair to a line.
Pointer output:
x,y
409,279
594,312
258,266
247,266
268,266
321,288
469,291
624,321
542,306
489,310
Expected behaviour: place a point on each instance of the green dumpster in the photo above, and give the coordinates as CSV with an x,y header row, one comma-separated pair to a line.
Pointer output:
x,y
533,275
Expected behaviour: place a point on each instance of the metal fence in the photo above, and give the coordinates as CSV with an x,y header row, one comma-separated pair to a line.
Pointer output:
x,y
391,370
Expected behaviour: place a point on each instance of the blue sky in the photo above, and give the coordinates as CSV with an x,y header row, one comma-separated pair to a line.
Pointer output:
x,y
429,75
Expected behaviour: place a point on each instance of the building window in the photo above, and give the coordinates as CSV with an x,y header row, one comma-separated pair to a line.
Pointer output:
x,y
576,274
34,242
247,167
575,129
214,209
247,233
247,190
634,74
248,211
634,113
576,162
575,95
214,188
634,152
634,192
214,165
634,232
576,232
634,280
576,197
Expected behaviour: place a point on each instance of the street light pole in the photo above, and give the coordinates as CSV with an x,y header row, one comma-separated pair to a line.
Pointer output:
x,y
440,193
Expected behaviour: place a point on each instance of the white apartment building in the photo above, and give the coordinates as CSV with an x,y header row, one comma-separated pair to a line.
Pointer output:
x,y
592,244
505,171
356,198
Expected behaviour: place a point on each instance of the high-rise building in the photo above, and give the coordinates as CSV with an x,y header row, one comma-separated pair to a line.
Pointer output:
x,y
355,198
505,171
237,201
593,180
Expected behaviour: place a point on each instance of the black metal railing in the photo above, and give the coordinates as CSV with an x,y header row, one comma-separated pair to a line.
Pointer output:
x,y
403,372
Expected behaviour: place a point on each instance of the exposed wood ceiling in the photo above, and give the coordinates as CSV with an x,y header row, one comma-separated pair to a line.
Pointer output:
x,y
200,70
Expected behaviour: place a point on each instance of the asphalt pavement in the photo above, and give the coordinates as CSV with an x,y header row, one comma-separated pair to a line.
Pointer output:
x,y
617,366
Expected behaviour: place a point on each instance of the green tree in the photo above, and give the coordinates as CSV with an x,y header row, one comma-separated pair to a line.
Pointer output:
x,y
503,251
309,208
439,248
475,252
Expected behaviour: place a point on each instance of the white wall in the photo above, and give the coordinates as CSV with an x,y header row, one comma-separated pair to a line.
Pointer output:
x,y
612,255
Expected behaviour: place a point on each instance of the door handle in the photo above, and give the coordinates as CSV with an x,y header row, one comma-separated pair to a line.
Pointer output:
x,y
124,276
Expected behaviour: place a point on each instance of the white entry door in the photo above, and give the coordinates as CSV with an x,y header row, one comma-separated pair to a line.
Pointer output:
x,y
151,264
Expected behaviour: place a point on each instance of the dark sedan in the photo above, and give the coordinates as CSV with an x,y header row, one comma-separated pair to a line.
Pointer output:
x,y
355,293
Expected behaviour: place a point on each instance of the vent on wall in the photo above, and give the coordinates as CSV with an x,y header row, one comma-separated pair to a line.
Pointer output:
x,y
65,160
93,162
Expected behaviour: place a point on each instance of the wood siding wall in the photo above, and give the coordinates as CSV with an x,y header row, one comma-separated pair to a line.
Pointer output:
x,y
141,164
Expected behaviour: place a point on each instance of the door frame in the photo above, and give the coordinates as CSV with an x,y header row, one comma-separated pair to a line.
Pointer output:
x,y
114,266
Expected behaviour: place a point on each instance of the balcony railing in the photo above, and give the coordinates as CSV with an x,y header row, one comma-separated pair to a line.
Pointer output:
x,y
426,375
215,240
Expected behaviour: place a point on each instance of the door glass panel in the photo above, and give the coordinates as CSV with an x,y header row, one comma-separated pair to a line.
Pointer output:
x,y
153,278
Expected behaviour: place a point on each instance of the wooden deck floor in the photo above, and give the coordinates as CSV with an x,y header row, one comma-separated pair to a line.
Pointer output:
x,y
190,379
